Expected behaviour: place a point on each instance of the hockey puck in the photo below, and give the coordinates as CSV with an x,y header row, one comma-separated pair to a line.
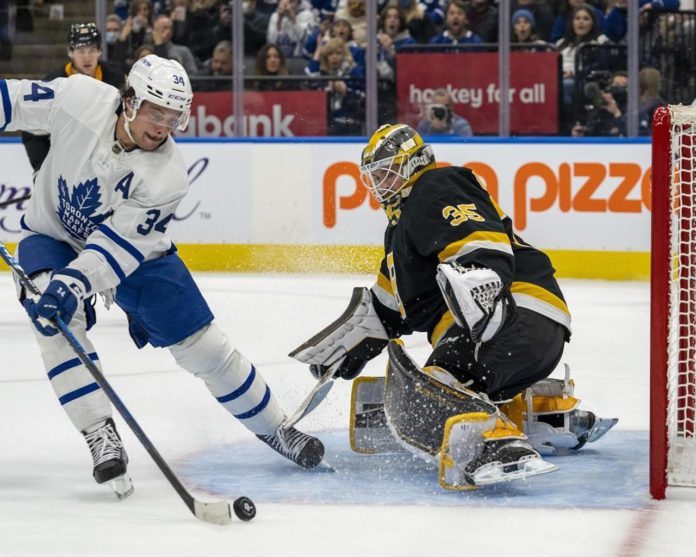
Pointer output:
x,y
244,508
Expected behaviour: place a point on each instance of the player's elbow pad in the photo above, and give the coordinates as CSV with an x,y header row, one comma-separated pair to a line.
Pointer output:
x,y
474,296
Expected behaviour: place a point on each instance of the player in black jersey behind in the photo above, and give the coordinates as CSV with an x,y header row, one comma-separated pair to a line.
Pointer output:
x,y
493,312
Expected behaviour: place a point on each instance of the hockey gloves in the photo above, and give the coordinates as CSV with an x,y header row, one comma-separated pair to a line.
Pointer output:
x,y
474,298
61,299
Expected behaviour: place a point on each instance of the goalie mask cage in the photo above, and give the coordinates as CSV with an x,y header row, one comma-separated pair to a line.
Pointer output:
x,y
673,300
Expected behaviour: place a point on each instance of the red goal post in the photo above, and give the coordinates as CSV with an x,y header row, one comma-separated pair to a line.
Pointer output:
x,y
673,300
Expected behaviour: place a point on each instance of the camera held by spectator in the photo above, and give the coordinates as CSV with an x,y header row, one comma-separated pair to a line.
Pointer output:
x,y
605,96
440,118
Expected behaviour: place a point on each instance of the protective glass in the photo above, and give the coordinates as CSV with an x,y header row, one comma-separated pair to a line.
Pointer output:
x,y
385,177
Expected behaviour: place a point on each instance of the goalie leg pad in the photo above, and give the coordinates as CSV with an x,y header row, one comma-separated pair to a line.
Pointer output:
x,y
369,430
417,404
358,332
482,449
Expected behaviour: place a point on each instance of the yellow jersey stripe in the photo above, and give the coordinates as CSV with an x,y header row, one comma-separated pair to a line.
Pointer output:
x,y
498,241
542,294
439,330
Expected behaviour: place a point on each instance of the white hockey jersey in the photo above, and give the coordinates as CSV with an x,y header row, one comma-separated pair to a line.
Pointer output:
x,y
111,206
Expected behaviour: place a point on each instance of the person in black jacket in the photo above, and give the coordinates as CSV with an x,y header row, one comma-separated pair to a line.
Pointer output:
x,y
84,51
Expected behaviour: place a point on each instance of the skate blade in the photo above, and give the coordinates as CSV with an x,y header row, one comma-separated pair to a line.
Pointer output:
x,y
601,426
121,486
494,472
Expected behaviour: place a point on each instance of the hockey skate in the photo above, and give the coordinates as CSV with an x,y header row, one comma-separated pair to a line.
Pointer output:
x,y
109,457
302,449
480,449
548,413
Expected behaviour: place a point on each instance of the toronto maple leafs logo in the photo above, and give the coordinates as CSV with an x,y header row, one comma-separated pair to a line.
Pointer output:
x,y
76,211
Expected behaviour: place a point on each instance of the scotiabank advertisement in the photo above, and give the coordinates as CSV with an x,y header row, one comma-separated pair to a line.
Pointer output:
x,y
471,79
266,114
583,196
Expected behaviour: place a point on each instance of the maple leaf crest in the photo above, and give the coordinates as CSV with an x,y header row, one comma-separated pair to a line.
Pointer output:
x,y
76,210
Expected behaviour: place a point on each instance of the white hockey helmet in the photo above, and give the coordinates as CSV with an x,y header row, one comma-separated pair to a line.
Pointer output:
x,y
162,82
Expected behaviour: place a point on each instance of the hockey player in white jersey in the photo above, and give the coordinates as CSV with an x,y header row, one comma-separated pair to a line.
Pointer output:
x,y
97,222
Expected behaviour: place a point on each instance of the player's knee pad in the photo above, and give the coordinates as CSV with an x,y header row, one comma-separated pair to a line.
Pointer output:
x,y
206,353
550,416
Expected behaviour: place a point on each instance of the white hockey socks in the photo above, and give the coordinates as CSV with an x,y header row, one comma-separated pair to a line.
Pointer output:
x,y
77,391
231,378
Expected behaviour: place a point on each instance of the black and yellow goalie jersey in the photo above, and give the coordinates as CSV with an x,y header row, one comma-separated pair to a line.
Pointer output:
x,y
449,216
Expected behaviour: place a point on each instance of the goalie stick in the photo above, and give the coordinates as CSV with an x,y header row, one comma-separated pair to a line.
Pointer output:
x,y
316,395
9,202
216,512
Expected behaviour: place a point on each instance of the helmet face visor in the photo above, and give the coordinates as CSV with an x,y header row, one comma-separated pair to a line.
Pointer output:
x,y
384,178
161,116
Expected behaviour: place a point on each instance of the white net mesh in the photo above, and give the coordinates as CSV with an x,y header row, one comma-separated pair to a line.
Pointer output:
x,y
681,384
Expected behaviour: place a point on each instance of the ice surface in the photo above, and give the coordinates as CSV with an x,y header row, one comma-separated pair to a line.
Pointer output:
x,y
595,505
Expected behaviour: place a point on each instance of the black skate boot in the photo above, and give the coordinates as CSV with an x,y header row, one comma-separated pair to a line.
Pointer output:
x,y
302,449
109,457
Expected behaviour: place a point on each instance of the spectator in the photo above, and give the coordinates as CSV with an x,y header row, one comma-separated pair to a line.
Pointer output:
x,y
288,27
193,28
136,31
456,26
583,29
345,97
616,23
84,51
255,26
422,18
523,31
270,61
112,31
324,9
542,15
650,84
483,20
563,18
162,31
607,107
354,12
218,66
144,50
440,118
341,29
433,10
391,36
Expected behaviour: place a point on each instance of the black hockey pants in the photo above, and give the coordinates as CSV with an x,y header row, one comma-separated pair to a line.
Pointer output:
x,y
524,352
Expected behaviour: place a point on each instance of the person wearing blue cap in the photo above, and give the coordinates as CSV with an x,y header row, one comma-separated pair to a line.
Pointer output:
x,y
523,22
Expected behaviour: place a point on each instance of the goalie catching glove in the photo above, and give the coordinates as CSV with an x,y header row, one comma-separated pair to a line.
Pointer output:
x,y
475,298
356,337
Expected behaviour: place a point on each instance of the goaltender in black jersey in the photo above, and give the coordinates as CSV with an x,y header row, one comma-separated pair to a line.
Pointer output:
x,y
493,312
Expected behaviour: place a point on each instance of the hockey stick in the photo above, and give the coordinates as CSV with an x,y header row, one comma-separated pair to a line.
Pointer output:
x,y
316,395
217,512
9,202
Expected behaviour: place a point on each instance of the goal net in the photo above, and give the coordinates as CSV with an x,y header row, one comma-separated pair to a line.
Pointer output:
x,y
673,300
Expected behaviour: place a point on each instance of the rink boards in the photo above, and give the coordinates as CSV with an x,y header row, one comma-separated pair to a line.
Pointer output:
x,y
299,206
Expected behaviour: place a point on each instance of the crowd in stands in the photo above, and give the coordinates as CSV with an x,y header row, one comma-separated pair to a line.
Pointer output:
x,y
328,39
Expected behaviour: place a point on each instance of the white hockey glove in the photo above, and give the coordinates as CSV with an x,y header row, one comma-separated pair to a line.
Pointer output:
x,y
473,296
358,335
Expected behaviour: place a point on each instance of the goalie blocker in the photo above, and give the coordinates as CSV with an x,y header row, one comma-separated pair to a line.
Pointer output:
x,y
357,336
